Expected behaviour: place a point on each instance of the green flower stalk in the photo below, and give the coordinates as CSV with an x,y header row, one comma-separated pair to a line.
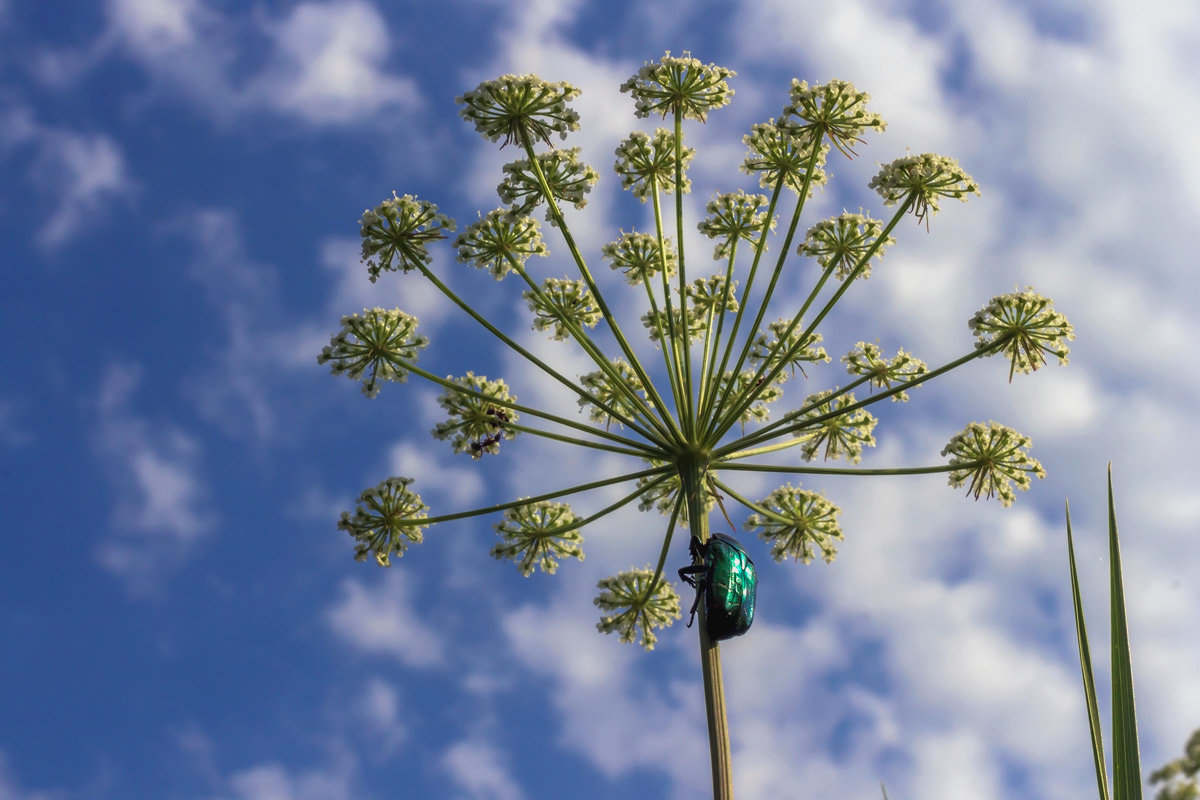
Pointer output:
x,y
717,365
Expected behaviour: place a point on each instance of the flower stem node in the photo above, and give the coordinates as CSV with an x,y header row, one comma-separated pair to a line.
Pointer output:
x,y
569,180
517,106
476,425
1025,328
396,232
834,110
387,518
993,457
841,242
500,241
794,521
867,359
922,180
560,302
647,165
374,345
537,534
679,86
634,601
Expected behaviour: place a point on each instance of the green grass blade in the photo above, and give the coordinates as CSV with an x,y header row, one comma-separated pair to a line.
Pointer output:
x,y
1127,773
1085,664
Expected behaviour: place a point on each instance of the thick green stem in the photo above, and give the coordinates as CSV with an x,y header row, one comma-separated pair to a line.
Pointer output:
x,y
692,471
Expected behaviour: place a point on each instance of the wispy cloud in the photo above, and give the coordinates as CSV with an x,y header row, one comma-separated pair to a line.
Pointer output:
x,y
77,175
381,620
328,67
273,781
325,61
160,507
477,767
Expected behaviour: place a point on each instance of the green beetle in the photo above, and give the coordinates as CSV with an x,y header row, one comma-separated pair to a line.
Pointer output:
x,y
724,576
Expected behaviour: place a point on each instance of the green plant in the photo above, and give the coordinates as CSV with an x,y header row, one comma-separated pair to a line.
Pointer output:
x,y
1127,773
686,417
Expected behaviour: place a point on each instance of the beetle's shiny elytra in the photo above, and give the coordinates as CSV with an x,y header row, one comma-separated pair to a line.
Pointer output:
x,y
724,576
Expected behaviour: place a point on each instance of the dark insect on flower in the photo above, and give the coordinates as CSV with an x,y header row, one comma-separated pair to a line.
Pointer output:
x,y
485,445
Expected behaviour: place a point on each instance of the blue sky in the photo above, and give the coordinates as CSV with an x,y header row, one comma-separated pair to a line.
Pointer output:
x,y
180,184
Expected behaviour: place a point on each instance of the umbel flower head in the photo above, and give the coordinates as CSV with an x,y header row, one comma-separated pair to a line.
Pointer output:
x,y
387,518
537,534
560,305
476,424
735,216
843,433
602,388
677,405
513,106
375,345
640,256
842,241
569,180
396,232
648,165
794,521
634,601
679,85
778,154
834,110
993,458
923,179
1025,327
791,348
500,241
867,359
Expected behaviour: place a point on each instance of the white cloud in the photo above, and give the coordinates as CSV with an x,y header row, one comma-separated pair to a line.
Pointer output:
x,y
156,27
328,65
379,711
82,174
325,61
160,507
478,768
383,620
273,781
462,487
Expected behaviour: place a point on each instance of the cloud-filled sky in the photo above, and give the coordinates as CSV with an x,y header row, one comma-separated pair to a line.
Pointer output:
x,y
180,188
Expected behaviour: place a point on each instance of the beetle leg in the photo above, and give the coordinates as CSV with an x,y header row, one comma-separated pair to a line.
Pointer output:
x,y
701,585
